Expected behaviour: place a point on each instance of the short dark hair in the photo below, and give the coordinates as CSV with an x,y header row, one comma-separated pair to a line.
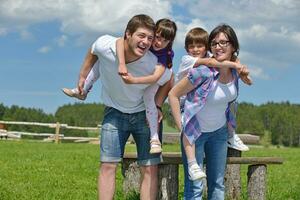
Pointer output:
x,y
139,21
229,32
196,35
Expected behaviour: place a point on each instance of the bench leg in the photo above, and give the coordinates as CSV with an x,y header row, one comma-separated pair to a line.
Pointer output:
x,y
233,176
132,177
168,182
257,182
167,179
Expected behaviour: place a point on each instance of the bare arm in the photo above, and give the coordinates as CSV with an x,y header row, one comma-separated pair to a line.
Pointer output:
x,y
89,61
212,62
241,69
162,94
150,79
121,57
181,88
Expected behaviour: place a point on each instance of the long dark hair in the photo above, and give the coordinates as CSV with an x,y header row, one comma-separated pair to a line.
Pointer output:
x,y
167,29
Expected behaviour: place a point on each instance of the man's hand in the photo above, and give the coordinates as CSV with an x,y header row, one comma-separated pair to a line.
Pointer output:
x,y
80,85
122,70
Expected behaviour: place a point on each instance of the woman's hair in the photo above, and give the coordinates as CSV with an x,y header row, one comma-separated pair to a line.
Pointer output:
x,y
196,35
139,21
230,34
167,29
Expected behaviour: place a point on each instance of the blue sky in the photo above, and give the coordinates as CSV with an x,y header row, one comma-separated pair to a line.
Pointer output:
x,y
43,43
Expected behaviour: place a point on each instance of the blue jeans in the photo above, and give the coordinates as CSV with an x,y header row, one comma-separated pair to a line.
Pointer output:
x,y
214,146
115,131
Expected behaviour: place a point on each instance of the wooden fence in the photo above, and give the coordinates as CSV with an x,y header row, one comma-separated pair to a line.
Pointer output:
x,y
57,126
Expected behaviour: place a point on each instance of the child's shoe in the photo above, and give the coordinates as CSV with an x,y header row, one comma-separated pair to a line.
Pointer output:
x,y
195,172
236,143
74,93
155,146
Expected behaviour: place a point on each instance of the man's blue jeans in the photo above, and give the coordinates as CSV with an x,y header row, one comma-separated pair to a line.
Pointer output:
x,y
214,146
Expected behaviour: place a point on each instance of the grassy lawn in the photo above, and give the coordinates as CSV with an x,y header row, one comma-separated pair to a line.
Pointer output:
x,y
32,170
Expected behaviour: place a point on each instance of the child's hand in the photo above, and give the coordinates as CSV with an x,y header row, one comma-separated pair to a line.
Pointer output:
x,y
128,78
244,73
122,70
246,79
241,69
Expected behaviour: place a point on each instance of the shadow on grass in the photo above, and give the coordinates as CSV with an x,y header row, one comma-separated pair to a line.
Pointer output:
x,y
133,195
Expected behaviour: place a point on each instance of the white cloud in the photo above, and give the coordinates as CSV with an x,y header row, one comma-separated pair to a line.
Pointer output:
x,y
3,31
61,40
79,17
26,35
44,49
184,28
257,31
257,72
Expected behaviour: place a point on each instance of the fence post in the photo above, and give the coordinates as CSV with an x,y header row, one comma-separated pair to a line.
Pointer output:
x,y
232,176
257,182
57,132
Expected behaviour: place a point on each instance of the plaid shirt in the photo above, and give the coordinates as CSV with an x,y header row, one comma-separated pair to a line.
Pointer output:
x,y
202,79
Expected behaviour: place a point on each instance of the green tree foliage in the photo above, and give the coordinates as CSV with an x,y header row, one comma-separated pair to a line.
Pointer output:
x,y
80,114
276,122
16,113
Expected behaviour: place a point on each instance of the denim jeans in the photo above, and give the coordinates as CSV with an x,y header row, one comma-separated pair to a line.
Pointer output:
x,y
214,146
116,129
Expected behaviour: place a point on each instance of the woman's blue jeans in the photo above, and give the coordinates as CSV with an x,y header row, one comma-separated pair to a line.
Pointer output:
x,y
214,146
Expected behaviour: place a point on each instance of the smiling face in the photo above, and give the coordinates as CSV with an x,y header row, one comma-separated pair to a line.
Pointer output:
x,y
159,42
196,50
138,43
221,48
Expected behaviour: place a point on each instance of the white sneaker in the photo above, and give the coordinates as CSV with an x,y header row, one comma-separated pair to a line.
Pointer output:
x,y
73,93
196,173
155,146
236,143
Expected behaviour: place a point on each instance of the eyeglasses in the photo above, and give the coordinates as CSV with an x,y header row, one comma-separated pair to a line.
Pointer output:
x,y
222,43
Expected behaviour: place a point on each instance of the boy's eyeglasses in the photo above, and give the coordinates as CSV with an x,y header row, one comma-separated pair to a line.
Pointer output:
x,y
222,43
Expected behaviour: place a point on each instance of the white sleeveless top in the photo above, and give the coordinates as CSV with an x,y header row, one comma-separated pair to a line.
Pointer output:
x,y
212,116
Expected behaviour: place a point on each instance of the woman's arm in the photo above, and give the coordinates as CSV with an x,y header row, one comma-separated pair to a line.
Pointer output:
x,y
181,88
121,57
151,79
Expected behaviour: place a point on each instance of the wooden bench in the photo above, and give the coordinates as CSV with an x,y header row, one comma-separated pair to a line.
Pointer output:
x,y
169,169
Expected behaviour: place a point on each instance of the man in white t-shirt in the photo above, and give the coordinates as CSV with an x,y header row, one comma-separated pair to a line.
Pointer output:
x,y
125,109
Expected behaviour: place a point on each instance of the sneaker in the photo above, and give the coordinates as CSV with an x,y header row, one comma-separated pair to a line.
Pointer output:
x,y
73,93
236,143
195,172
155,146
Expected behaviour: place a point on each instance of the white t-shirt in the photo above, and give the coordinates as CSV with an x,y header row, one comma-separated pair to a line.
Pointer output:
x,y
127,98
212,115
187,63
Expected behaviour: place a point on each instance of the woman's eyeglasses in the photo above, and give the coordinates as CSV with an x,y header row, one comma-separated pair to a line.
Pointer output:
x,y
222,43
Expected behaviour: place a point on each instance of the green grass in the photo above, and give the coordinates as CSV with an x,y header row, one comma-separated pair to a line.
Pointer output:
x,y
33,170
